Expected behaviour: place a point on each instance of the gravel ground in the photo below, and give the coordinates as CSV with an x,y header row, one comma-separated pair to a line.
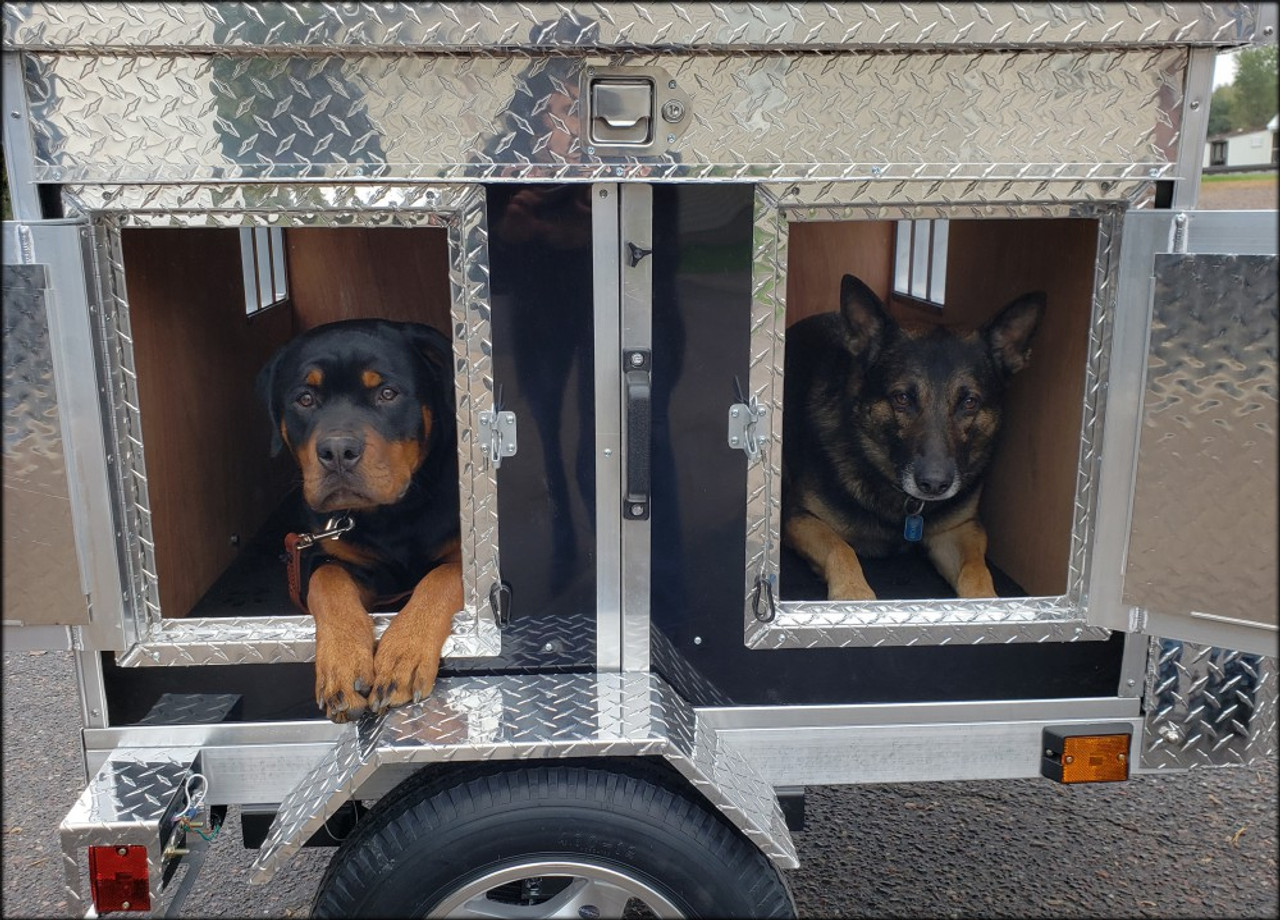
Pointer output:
x,y
1193,845
1238,194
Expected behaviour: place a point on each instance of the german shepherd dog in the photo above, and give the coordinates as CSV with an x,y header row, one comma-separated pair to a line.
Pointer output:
x,y
887,430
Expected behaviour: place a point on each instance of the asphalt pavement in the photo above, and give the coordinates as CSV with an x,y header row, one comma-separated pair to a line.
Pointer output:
x,y
1200,844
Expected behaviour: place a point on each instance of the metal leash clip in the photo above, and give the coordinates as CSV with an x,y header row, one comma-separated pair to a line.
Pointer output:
x,y
335,527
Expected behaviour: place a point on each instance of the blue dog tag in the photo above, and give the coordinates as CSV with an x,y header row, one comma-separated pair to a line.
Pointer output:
x,y
913,528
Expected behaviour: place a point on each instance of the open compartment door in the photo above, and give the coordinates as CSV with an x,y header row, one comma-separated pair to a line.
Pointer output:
x,y
1187,542
55,495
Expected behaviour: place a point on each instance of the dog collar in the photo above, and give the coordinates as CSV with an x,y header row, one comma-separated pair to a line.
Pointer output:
x,y
913,525
295,543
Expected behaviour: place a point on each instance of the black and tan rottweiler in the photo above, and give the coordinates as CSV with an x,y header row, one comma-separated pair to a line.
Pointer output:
x,y
366,407
887,430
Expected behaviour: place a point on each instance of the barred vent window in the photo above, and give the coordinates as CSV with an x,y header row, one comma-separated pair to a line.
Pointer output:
x,y
920,261
262,259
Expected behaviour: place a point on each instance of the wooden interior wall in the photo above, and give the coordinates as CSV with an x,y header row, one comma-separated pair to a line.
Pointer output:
x,y
1029,499
396,273
820,253
206,439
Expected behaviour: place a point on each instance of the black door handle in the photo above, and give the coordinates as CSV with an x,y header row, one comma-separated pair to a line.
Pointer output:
x,y
636,369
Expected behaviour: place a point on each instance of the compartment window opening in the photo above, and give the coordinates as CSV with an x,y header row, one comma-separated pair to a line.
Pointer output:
x,y
266,283
920,261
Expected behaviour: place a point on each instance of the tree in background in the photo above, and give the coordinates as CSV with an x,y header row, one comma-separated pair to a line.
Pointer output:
x,y
1252,98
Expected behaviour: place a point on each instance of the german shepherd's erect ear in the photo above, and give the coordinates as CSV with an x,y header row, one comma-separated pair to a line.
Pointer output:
x,y
1008,336
865,316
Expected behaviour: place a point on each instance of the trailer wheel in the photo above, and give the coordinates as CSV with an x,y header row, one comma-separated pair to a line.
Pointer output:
x,y
549,841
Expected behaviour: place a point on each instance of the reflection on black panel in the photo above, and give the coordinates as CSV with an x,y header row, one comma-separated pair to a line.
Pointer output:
x,y
540,255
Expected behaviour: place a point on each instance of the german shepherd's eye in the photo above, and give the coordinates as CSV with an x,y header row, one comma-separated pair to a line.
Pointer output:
x,y
306,399
388,394
900,400
969,403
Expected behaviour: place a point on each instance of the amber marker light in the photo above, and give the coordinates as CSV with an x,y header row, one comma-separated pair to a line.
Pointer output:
x,y
1086,753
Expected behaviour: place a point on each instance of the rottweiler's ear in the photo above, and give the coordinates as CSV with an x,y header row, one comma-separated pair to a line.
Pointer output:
x,y
265,387
1008,336
864,314
433,345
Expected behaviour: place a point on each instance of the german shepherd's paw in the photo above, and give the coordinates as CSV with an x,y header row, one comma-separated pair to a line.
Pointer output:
x,y
850,589
975,581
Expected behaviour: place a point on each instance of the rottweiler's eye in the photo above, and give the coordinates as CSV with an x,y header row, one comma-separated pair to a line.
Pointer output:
x,y
306,399
900,400
387,394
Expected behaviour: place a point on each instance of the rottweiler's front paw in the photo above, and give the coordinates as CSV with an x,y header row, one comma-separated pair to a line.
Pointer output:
x,y
344,677
404,669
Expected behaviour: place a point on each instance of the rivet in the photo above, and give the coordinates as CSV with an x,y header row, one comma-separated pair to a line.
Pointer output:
x,y
637,359
1195,104
608,451
697,640
122,851
604,192
671,84
637,510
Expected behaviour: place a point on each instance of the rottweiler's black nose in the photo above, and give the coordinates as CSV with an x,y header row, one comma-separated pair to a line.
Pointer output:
x,y
340,452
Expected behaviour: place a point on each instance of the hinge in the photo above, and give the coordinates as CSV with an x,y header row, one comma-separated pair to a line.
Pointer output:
x,y
498,435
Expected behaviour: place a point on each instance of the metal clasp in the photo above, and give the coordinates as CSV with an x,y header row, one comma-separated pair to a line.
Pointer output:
x,y
334,528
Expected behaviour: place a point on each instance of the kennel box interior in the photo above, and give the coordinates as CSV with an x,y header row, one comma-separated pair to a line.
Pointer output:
x,y
1029,493
197,349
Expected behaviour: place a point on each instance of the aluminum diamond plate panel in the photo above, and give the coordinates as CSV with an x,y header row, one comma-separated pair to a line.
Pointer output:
x,y
1207,707
125,804
817,624
460,209
534,717
1092,116
1208,437
439,27
41,583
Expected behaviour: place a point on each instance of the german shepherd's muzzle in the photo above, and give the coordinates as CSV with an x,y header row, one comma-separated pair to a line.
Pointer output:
x,y
887,430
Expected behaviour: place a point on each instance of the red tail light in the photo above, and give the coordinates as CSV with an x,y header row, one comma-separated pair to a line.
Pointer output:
x,y
119,878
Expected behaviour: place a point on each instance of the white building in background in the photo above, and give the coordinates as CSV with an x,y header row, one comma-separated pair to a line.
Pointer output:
x,y
1243,149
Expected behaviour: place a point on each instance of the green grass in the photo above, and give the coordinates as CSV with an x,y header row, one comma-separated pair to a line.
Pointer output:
x,y
1237,177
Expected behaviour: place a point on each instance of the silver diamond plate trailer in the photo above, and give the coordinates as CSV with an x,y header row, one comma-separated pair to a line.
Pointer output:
x,y
127,121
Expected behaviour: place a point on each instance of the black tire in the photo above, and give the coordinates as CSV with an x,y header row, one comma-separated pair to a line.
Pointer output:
x,y
589,833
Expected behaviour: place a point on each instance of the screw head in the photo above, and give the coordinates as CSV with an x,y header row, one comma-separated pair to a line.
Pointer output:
x,y
637,510
1195,104
637,359
697,640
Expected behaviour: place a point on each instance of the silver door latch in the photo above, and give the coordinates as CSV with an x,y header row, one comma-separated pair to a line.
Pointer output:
x,y
744,423
498,434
